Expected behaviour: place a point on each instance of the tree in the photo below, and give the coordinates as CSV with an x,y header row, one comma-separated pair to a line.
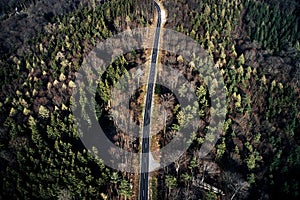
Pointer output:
x,y
43,112
235,183
189,194
182,90
171,183
175,194
208,168
139,74
193,164
125,189
211,195
167,101
64,194
178,162
199,182
187,178
114,179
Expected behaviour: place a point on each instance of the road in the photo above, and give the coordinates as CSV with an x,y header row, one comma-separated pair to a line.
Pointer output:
x,y
144,164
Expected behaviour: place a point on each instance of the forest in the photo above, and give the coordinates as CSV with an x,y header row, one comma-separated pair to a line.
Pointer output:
x,y
256,46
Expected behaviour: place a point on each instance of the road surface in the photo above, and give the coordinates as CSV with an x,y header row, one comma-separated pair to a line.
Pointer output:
x,y
144,163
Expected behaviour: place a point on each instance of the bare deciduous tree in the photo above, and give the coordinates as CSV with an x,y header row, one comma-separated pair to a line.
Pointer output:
x,y
236,184
209,167
167,102
188,194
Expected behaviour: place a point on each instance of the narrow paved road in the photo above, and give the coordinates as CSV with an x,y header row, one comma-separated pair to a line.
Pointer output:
x,y
144,164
